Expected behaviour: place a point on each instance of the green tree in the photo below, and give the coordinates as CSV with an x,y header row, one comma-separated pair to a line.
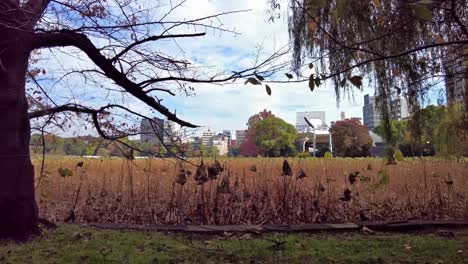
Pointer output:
x,y
74,146
249,146
399,132
399,45
451,135
275,137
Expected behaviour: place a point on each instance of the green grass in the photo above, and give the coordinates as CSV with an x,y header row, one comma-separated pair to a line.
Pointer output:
x,y
71,244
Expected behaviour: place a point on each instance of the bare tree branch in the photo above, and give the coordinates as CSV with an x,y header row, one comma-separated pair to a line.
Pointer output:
x,y
154,38
81,41
63,108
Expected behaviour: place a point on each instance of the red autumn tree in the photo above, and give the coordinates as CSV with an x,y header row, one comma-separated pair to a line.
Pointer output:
x,y
249,147
351,138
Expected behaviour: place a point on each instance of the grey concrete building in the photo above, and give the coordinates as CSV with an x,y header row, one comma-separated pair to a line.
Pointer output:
x,y
371,114
151,132
455,81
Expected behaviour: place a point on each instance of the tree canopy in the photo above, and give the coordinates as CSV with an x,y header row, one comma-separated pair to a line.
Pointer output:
x,y
437,127
249,146
399,47
275,137
351,138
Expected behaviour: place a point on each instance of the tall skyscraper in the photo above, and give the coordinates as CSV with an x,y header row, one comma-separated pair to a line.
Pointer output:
x,y
240,137
399,108
455,81
301,124
371,114
152,132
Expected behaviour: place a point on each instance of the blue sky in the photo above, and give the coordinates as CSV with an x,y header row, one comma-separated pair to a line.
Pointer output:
x,y
214,106
229,106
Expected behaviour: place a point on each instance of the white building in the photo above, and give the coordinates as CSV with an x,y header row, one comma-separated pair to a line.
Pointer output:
x,y
171,132
400,108
345,115
301,124
207,138
222,145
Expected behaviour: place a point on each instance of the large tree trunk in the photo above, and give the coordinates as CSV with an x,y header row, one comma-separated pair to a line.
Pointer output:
x,y
18,209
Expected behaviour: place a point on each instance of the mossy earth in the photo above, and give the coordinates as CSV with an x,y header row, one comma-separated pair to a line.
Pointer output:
x,y
72,244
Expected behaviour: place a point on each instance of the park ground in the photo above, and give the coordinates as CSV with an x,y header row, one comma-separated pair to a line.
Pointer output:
x,y
73,244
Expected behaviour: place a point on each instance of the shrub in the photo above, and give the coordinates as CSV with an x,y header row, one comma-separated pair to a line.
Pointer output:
x,y
303,155
398,155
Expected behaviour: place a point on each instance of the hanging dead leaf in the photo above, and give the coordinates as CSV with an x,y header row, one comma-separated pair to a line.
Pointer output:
x,y
356,81
381,21
268,89
253,168
377,4
301,174
346,195
439,38
312,25
200,175
214,170
287,171
181,177
352,177
259,77
253,81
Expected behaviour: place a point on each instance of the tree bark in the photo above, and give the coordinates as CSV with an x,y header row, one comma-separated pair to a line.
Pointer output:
x,y
18,209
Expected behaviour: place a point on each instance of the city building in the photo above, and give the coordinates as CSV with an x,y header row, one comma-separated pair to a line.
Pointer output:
x,y
398,107
222,145
301,124
152,132
345,115
240,137
207,138
455,81
371,114
227,136
171,132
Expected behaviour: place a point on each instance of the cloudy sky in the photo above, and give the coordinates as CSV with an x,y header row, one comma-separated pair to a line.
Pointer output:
x,y
229,106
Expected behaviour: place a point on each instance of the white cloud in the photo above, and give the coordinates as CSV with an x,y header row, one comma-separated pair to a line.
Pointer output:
x,y
228,106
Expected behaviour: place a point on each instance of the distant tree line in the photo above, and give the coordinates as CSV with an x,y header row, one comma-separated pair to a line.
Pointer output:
x,y
51,144
270,136
434,130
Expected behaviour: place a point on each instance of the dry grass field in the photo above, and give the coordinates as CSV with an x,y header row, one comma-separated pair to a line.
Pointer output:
x,y
250,191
